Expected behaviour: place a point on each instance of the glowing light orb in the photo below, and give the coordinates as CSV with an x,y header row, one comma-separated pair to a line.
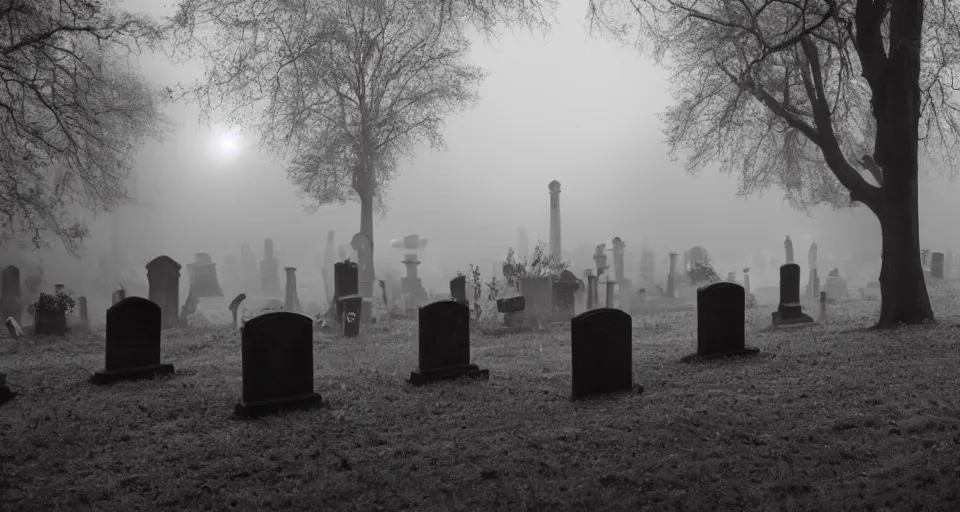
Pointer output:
x,y
229,144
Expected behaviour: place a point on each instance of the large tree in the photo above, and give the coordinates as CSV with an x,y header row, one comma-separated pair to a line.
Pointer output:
x,y
72,114
340,89
822,97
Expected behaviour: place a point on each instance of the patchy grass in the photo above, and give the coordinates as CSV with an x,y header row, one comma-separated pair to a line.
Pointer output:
x,y
828,417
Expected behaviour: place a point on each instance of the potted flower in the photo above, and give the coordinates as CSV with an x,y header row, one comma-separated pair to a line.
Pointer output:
x,y
50,313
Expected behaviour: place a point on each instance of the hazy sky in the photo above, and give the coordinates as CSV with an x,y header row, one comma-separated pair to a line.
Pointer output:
x,y
562,106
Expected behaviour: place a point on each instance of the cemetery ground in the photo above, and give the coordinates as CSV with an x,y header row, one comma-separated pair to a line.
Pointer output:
x,y
829,416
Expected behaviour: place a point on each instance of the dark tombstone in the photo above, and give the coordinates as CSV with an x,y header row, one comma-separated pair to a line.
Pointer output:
x,y
458,289
936,265
789,312
163,275
82,306
444,344
346,281
823,306
133,342
10,301
277,363
351,307
601,351
383,293
5,394
721,315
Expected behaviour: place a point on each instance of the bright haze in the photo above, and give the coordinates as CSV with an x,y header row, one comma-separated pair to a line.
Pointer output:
x,y
563,106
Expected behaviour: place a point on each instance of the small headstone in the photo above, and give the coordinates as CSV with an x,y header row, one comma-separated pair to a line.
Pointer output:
x,y
133,342
720,321
823,306
163,275
601,352
350,310
458,289
13,327
277,352
538,295
345,282
84,312
936,265
444,344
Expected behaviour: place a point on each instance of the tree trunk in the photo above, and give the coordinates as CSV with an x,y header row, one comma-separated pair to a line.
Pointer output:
x,y
902,286
897,110
366,227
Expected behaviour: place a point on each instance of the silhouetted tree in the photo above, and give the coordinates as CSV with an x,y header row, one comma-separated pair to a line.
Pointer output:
x,y
822,97
340,89
72,113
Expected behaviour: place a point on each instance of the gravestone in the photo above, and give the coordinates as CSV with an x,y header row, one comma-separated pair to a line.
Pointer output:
x,y
133,342
269,272
5,393
564,294
345,282
291,300
538,295
458,289
672,277
788,248
84,312
789,311
601,352
444,344
721,316
836,287
823,306
203,277
14,329
163,275
351,318
936,265
277,352
10,298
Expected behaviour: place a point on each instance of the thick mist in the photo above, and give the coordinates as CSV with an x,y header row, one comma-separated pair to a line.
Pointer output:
x,y
562,106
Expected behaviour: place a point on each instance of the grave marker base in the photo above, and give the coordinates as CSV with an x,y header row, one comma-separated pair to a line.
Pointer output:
x,y
694,358
257,409
419,377
793,318
140,372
